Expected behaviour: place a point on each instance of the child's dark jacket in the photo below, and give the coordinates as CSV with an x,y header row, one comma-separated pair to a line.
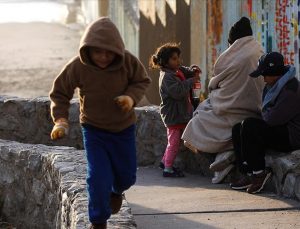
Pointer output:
x,y
175,107
98,87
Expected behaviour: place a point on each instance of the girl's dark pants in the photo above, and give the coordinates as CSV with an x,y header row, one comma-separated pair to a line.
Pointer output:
x,y
253,137
111,167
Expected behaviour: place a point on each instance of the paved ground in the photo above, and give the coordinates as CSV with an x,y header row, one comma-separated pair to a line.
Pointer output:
x,y
193,202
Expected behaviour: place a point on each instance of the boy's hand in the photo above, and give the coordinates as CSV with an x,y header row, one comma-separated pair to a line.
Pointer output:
x,y
125,102
60,129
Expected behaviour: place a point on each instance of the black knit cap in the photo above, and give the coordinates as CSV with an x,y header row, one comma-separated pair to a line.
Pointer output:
x,y
241,28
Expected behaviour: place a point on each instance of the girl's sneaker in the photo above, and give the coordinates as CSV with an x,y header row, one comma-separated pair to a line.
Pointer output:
x,y
162,166
175,173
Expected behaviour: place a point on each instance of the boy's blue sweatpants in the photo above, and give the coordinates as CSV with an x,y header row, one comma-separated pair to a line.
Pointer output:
x,y
111,167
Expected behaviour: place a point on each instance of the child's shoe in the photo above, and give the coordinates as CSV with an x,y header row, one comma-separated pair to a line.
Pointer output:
x,y
162,166
174,173
115,202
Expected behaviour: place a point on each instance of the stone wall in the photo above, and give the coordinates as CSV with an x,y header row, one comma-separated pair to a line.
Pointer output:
x,y
46,184
30,184
44,187
29,121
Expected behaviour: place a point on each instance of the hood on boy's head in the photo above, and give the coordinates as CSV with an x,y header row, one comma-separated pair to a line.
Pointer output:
x,y
103,34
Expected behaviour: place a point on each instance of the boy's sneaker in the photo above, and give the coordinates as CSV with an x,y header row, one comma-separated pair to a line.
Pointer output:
x,y
115,202
259,181
220,175
176,173
243,183
222,161
98,226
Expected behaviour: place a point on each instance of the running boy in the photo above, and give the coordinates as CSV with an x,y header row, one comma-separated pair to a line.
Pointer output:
x,y
111,82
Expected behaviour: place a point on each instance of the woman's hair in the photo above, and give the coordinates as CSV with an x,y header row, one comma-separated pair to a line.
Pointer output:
x,y
163,54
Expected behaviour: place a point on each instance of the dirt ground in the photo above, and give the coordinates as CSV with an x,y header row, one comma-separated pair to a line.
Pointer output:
x,y
31,56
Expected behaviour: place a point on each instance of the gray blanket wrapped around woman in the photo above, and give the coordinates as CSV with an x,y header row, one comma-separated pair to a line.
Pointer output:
x,y
233,96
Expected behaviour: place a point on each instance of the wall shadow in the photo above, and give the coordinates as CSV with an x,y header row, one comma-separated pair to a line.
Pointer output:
x,y
177,29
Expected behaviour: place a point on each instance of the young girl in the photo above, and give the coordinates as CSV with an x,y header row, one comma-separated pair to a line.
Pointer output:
x,y
175,84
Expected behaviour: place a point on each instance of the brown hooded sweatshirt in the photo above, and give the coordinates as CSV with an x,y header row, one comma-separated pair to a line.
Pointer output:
x,y
98,87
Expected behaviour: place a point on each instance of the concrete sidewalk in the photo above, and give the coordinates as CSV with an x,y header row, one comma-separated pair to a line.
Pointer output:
x,y
193,202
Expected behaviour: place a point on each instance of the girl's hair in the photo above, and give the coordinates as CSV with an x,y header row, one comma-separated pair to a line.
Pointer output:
x,y
163,54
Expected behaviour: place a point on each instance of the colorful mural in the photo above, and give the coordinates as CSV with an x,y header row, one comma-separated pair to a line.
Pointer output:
x,y
214,32
275,25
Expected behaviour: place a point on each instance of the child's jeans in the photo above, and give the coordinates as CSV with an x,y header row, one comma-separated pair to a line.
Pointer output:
x,y
174,136
111,167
